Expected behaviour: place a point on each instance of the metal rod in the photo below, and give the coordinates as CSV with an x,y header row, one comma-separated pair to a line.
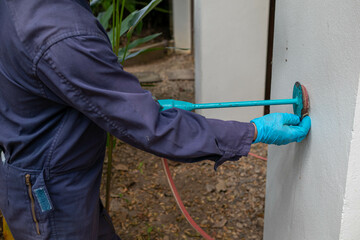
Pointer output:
x,y
246,103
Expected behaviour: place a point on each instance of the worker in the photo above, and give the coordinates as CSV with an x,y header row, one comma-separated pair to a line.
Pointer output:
x,y
61,90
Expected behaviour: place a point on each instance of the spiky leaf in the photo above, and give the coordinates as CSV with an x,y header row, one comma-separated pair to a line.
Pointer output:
x,y
139,15
105,16
134,54
138,42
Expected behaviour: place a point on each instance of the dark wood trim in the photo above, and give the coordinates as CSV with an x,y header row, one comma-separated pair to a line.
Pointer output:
x,y
171,19
270,47
192,25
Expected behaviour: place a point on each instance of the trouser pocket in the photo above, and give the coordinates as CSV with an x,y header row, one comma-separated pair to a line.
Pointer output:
x,y
32,202
29,207
40,202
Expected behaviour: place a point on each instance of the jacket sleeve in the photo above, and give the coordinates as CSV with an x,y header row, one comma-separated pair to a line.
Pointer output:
x,y
85,74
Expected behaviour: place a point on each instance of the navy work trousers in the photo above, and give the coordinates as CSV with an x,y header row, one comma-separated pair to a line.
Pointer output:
x,y
37,205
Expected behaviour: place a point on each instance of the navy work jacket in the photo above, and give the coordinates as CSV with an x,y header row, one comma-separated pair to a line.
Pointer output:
x,y
62,89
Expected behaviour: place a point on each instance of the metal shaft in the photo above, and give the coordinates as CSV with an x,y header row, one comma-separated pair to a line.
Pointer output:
x,y
300,97
246,103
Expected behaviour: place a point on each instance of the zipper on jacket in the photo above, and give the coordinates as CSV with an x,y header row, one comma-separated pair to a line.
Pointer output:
x,y
28,184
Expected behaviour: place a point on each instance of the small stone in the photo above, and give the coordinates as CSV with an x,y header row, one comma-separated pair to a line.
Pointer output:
x,y
204,222
123,214
260,222
115,205
239,225
210,188
220,224
132,214
181,74
166,218
221,186
121,167
148,77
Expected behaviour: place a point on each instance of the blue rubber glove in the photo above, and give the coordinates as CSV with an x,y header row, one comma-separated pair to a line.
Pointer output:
x,y
281,128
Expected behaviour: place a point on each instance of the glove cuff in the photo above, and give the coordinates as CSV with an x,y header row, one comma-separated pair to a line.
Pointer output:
x,y
258,137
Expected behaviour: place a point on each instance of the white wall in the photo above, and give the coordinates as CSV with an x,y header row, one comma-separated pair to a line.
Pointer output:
x,y
182,24
313,186
230,54
350,217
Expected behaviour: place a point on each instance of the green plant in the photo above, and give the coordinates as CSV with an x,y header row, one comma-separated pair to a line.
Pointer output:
x,y
149,230
121,196
112,18
140,167
128,25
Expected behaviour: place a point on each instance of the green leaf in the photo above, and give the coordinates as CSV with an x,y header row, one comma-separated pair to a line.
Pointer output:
x,y
130,5
149,229
105,16
140,167
138,42
94,2
134,54
139,15
139,27
128,22
134,18
156,9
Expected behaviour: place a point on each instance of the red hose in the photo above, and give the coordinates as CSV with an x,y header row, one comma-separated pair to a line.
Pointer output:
x,y
257,156
180,203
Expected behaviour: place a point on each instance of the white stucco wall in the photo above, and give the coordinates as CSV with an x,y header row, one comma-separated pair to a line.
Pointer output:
x,y
350,229
230,40
182,24
313,187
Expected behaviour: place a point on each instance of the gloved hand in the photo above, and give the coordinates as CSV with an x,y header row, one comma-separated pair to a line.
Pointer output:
x,y
281,128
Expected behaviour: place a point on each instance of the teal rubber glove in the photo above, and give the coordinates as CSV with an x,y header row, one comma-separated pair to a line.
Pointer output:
x,y
281,128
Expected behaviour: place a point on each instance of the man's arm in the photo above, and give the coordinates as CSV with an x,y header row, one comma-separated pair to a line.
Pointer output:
x,y
85,74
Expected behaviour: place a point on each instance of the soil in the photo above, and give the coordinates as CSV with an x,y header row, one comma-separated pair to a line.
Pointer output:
x,y
227,204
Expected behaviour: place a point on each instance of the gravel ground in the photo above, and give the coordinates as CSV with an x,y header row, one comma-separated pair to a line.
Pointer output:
x,y
227,204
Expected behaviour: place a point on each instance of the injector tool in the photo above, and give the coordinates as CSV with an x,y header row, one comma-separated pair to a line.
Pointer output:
x,y
300,102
